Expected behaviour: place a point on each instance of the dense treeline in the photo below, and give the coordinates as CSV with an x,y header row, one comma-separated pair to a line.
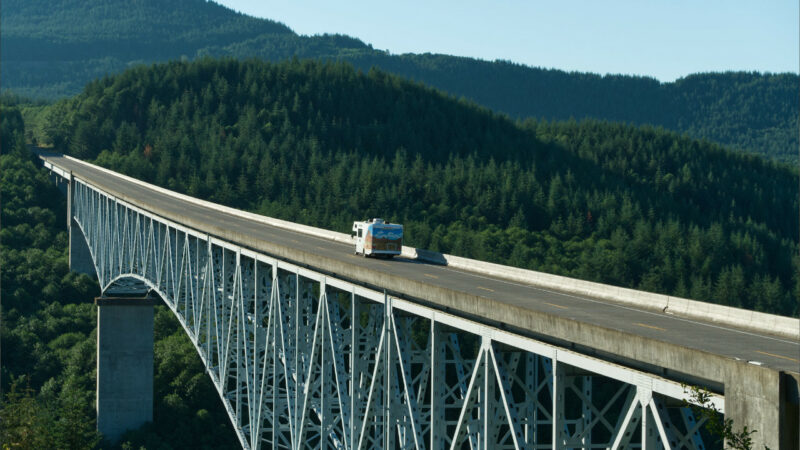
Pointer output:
x,y
48,332
324,144
742,110
52,48
72,29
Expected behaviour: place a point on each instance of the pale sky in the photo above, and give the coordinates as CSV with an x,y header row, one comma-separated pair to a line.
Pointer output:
x,y
665,39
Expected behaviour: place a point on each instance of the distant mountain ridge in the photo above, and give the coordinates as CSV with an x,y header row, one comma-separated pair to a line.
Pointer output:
x,y
122,29
52,48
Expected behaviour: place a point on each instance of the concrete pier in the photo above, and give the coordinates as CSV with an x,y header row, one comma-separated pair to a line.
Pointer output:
x,y
766,401
124,364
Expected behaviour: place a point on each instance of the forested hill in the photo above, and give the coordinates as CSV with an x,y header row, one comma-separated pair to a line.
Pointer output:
x,y
323,144
129,30
51,48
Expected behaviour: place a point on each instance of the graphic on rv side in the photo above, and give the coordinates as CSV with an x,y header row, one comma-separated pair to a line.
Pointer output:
x,y
377,237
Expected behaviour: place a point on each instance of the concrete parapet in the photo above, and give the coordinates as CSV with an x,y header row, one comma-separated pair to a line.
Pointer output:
x,y
124,364
710,312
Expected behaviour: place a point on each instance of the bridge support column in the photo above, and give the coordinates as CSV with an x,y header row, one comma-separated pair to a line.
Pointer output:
x,y
766,401
124,364
790,411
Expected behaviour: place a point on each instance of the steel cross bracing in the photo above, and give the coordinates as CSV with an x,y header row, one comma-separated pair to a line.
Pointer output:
x,y
302,360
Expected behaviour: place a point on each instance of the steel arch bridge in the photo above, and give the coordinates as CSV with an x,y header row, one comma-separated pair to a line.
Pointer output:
x,y
304,360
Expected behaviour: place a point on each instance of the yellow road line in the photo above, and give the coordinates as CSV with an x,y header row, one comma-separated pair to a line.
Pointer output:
x,y
650,326
430,276
778,356
557,306
485,289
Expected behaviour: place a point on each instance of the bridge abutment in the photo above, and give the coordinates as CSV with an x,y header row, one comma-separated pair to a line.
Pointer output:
x,y
124,364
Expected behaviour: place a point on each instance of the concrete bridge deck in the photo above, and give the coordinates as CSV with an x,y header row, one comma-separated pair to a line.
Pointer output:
x,y
757,371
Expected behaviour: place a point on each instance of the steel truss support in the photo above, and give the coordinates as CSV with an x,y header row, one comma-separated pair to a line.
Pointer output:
x,y
303,361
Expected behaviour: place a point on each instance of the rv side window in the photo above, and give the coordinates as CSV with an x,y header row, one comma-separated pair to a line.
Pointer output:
x,y
359,232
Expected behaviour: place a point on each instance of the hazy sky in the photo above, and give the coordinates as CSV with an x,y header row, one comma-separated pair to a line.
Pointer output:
x,y
665,39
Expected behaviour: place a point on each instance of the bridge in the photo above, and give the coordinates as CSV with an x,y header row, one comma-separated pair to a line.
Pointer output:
x,y
310,346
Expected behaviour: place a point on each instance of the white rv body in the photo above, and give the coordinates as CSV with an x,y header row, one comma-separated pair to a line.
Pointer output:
x,y
377,237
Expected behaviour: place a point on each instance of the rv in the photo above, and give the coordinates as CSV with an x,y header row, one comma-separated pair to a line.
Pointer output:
x,y
377,237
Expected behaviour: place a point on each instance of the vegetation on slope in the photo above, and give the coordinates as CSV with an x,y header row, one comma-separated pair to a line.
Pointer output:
x,y
48,333
323,144
52,48
154,29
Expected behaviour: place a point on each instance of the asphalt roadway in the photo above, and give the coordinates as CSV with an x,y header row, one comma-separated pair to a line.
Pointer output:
x,y
775,352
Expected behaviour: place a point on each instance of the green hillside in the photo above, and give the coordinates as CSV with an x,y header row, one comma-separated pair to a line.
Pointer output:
x,y
78,29
323,144
52,48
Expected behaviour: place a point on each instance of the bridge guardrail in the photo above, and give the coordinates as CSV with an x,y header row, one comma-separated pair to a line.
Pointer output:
x,y
682,307
710,312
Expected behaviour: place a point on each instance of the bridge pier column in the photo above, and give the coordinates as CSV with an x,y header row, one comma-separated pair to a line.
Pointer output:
x,y
124,364
766,401
790,411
